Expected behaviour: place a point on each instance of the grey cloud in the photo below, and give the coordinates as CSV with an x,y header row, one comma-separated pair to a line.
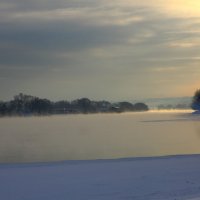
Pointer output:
x,y
45,4
86,43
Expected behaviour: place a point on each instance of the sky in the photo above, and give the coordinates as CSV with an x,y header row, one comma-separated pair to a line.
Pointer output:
x,y
100,49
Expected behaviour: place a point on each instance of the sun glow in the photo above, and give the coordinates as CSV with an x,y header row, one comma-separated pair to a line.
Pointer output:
x,y
179,8
184,7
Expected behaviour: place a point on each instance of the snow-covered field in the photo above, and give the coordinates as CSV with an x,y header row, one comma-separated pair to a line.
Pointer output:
x,y
163,178
70,138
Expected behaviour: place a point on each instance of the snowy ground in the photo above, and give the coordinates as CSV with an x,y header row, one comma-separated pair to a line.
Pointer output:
x,y
163,178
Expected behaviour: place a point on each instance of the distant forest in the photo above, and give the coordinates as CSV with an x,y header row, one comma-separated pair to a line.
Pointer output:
x,y
25,105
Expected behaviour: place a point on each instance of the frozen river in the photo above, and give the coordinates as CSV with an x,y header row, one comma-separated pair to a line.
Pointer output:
x,y
98,136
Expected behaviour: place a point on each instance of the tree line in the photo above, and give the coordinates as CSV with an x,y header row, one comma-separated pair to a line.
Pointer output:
x,y
23,105
196,101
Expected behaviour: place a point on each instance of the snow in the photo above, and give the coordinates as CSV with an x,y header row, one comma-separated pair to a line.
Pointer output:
x,y
154,178
195,198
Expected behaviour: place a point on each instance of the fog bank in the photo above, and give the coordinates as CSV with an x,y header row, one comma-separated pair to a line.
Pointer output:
x,y
98,136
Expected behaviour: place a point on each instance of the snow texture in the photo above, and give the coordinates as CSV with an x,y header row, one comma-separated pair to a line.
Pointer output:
x,y
160,178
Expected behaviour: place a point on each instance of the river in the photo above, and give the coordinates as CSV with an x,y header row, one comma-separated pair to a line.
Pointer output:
x,y
98,136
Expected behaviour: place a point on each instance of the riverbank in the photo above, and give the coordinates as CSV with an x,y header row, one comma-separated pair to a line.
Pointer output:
x,y
163,178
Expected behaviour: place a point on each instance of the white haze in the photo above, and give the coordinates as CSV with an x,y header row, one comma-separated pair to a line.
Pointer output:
x,y
98,136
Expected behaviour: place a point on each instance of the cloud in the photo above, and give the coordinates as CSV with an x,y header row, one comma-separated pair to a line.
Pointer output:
x,y
166,69
88,43
86,15
184,44
171,8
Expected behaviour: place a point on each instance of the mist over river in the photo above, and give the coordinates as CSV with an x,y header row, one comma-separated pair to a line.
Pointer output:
x,y
98,136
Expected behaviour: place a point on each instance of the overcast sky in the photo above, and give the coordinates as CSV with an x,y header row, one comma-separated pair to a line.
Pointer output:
x,y
100,49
